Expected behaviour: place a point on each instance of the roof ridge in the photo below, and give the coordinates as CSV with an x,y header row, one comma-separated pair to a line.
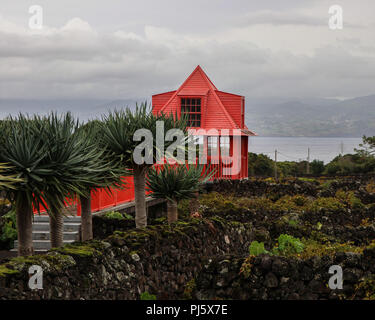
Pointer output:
x,y
214,89
180,88
211,87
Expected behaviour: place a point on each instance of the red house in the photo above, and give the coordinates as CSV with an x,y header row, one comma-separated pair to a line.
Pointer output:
x,y
217,117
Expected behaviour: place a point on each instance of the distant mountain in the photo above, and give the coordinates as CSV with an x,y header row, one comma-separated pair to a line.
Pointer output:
x,y
312,117
83,108
294,117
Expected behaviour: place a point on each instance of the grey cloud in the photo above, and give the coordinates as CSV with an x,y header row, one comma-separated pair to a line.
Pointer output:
x,y
282,18
90,63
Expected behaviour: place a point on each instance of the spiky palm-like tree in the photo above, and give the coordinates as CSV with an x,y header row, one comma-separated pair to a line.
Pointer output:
x,y
175,183
106,175
118,132
54,161
7,182
24,149
79,166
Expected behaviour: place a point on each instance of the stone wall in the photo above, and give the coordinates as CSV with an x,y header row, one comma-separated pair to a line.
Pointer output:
x,y
103,226
160,259
279,278
289,186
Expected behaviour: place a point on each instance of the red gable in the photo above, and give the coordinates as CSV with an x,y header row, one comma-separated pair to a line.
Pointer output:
x,y
219,110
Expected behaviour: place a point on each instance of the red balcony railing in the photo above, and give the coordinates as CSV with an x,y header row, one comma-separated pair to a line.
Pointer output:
x,y
102,199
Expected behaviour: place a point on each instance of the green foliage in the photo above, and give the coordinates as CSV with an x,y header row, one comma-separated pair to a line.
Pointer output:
x,y
176,182
7,181
8,231
117,215
329,204
218,203
260,165
291,203
361,162
120,126
147,296
351,164
349,199
53,158
317,248
256,248
287,244
317,167
367,147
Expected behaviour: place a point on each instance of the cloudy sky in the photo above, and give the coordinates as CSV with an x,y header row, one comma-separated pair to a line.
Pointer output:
x,y
120,49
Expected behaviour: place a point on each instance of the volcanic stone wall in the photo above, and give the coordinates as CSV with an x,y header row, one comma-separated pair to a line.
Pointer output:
x,y
279,278
288,186
160,259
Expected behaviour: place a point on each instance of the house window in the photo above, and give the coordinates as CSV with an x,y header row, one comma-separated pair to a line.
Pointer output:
x,y
212,146
192,108
224,146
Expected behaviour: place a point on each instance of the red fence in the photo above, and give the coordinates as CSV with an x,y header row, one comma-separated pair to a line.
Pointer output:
x,y
102,199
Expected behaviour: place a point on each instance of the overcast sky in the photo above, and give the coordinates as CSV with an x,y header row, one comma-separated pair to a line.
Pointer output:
x,y
120,49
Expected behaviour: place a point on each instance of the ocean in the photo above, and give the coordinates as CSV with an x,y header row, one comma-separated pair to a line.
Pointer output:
x,y
296,148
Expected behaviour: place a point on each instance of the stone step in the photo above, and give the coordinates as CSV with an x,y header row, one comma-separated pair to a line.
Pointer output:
x,y
44,226
45,235
44,218
42,244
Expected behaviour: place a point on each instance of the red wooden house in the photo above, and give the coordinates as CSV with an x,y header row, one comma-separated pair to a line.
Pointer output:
x,y
217,117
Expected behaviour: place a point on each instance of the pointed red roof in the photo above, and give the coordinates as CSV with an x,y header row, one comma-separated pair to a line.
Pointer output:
x,y
220,110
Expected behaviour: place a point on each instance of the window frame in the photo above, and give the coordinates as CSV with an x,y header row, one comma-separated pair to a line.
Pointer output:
x,y
210,146
194,113
225,143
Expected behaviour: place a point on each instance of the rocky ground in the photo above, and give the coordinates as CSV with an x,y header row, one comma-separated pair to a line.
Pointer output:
x,y
255,239
332,220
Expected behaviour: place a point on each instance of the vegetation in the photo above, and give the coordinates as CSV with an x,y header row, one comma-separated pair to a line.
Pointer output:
x,y
22,145
7,181
287,244
105,172
256,248
147,296
218,203
121,136
175,183
117,215
8,231
362,162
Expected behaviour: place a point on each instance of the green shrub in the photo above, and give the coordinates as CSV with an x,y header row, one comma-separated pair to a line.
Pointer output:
x,y
330,204
147,296
117,215
260,165
317,167
8,232
349,199
317,248
287,244
289,203
256,248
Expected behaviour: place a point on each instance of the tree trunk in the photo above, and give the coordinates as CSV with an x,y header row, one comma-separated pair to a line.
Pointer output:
x,y
56,224
86,218
140,197
172,211
24,214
